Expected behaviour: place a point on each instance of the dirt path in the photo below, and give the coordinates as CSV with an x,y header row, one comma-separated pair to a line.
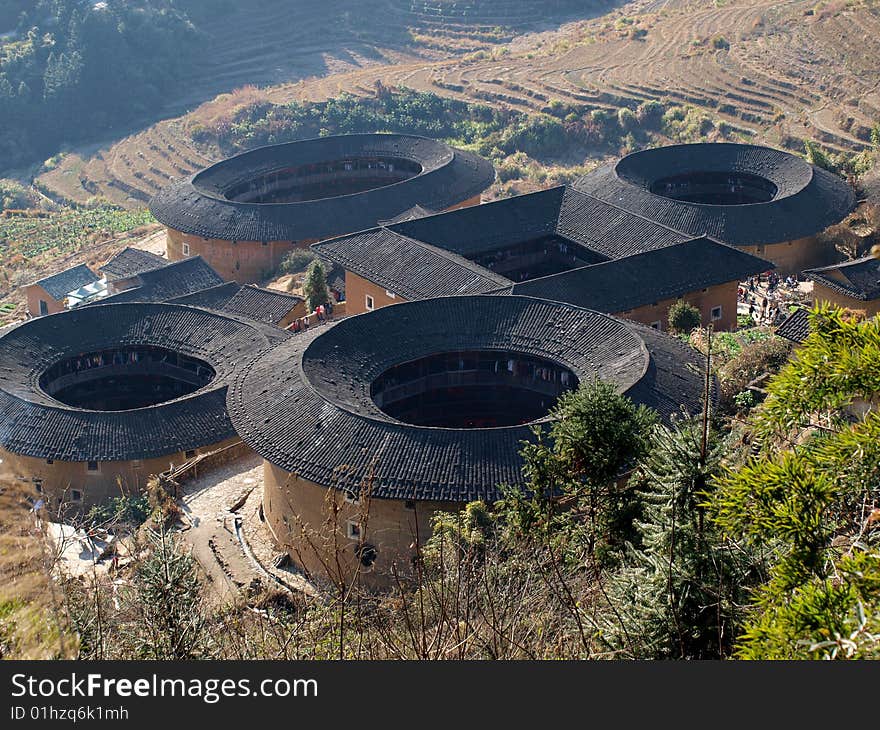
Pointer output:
x,y
211,505
207,506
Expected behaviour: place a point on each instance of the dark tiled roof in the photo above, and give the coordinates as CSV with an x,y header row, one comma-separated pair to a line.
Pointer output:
x,y
61,284
263,305
214,297
306,407
34,424
796,327
603,228
479,228
409,268
417,211
807,201
860,278
627,283
198,206
425,258
610,230
169,281
130,262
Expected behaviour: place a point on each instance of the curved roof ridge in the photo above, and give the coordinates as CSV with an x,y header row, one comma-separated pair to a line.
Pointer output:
x,y
318,419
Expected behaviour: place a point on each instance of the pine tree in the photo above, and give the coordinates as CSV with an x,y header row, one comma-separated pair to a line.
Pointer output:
x,y
678,594
315,286
171,623
596,435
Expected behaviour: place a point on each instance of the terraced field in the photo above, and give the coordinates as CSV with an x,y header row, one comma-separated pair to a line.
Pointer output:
x,y
773,71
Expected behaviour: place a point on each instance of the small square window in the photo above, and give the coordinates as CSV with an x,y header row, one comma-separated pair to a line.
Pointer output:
x,y
716,313
657,325
369,303
50,461
353,530
185,249
409,504
390,294
352,497
76,495
92,466
190,454
265,243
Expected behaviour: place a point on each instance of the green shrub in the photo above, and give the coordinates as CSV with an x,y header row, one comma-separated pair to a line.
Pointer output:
x,y
684,317
744,320
297,260
626,119
15,196
756,358
131,510
650,114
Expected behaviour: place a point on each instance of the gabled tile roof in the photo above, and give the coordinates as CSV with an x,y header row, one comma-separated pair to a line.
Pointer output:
x,y
623,284
130,262
254,302
214,297
479,228
609,229
796,327
171,280
61,284
859,279
807,200
306,406
263,305
409,268
199,206
34,424
425,258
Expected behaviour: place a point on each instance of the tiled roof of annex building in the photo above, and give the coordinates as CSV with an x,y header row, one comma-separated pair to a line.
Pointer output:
x,y
306,405
859,279
169,280
200,204
800,199
33,423
667,273
61,284
245,300
427,257
130,262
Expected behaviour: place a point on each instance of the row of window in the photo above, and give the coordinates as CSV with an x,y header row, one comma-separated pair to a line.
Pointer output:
x,y
93,465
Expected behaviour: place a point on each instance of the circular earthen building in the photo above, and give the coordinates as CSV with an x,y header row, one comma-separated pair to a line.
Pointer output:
x,y
770,203
96,400
423,406
244,214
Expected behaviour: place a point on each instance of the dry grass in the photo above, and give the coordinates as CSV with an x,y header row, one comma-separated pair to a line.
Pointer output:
x,y
31,623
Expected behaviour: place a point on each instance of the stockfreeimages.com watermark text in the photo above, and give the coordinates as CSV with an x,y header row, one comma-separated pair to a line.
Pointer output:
x,y
208,690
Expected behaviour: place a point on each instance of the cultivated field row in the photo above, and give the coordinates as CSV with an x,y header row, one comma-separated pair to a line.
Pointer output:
x,y
776,72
